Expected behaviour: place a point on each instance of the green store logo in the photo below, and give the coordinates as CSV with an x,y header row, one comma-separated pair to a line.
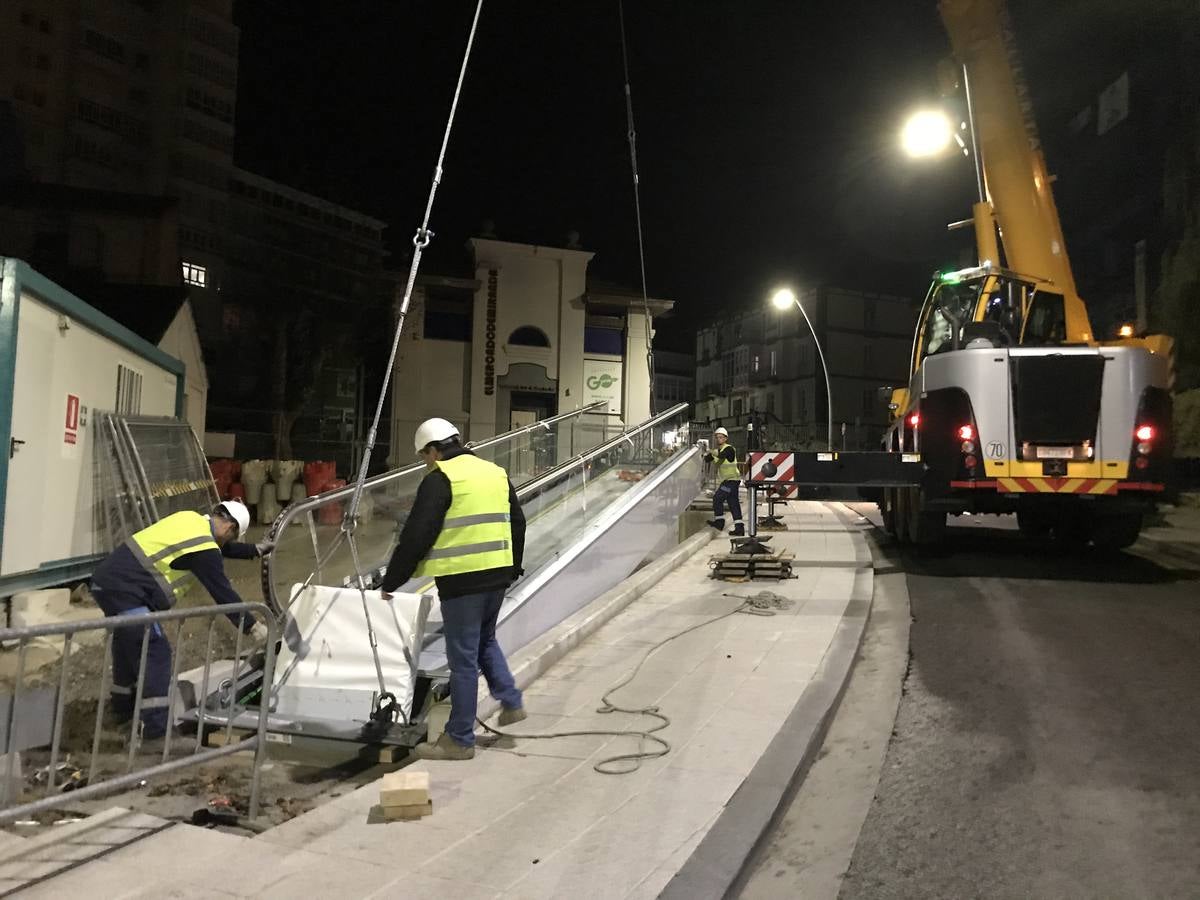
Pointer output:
x,y
601,382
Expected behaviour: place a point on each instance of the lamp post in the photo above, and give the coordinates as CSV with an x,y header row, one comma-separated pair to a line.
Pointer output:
x,y
784,298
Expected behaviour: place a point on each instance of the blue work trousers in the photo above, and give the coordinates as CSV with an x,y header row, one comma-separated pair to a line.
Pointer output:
x,y
469,627
727,493
126,659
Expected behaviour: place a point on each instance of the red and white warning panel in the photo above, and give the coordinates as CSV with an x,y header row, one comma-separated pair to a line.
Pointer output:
x,y
772,466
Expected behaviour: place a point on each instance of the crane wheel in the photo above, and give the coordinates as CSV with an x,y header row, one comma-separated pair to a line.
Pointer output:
x,y
1111,533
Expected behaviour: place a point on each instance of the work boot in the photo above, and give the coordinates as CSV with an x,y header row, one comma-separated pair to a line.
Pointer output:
x,y
445,747
739,530
718,524
511,715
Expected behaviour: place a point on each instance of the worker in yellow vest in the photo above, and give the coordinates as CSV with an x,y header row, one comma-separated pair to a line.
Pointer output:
x,y
466,529
150,572
729,482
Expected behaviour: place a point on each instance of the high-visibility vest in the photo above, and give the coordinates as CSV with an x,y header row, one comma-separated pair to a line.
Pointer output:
x,y
164,542
476,533
726,471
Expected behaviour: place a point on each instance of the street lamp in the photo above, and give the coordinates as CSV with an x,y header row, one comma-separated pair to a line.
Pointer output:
x,y
785,298
927,133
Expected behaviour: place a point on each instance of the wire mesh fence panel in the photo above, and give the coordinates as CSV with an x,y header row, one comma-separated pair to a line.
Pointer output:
x,y
147,468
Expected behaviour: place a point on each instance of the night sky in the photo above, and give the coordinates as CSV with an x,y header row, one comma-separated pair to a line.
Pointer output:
x,y
767,134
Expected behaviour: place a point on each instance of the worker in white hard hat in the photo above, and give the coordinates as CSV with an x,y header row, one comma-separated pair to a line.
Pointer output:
x,y
466,529
150,572
729,482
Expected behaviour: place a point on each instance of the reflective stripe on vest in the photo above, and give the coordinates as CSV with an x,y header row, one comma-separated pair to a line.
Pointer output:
x,y
164,542
727,471
476,533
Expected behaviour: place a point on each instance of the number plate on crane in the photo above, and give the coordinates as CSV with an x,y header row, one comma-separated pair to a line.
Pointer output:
x,y
1055,453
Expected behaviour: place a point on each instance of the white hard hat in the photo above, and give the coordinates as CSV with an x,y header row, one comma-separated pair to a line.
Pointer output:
x,y
433,431
721,431
238,512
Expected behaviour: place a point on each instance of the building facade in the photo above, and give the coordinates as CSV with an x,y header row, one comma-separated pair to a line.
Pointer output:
x,y
526,338
763,364
674,379
116,148
131,97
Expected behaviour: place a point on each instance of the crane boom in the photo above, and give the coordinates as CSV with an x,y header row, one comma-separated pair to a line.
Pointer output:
x,y
1017,185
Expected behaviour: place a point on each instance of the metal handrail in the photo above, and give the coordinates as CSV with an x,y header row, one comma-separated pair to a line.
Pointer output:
x,y
147,621
309,503
566,467
557,473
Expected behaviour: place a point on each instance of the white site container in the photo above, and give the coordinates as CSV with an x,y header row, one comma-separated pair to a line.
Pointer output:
x,y
62,362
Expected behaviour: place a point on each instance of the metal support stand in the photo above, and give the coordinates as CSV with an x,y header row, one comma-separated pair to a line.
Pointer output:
x,y
772,521
751,544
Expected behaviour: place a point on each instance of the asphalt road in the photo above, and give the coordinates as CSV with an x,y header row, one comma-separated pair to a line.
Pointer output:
x,y
1047,742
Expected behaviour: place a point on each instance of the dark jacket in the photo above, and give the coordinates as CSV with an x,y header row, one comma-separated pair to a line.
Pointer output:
x,y
425,524
127,585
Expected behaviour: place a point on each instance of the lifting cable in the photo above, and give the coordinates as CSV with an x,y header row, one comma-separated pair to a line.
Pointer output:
x,y
637,204
386,704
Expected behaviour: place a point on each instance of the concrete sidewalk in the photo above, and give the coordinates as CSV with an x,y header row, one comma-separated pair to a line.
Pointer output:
x,y
533,819
1179,535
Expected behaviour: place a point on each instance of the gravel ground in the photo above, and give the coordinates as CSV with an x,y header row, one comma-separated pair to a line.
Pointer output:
x,y
1046,741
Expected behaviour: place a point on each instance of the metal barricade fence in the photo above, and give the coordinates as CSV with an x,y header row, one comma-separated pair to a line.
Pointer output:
x,y
132,777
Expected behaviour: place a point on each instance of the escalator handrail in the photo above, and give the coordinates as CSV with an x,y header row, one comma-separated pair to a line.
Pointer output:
x,y
565,468
317,500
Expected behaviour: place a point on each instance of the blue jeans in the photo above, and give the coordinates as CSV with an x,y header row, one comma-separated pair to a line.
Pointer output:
x,y
728,491
469,627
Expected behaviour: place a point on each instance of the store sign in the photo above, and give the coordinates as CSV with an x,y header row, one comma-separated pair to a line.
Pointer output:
x,y
489,335
602,381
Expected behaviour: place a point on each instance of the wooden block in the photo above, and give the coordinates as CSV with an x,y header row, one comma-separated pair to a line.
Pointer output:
x,y
219,738
408,813
404,788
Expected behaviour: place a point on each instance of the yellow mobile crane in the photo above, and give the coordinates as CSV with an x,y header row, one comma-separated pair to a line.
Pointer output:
x,y
1013,403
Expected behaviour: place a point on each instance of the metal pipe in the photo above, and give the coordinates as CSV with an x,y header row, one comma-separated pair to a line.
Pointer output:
x,y
202,704
100,707
176,654
975,157
264,708
11,738
60,703
134,738
237,661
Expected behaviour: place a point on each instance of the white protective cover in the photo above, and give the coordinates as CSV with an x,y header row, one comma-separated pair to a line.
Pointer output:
x,y
326,647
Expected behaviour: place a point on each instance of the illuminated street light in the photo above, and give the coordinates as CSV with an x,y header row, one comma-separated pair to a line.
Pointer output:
x,y
926,134
783,299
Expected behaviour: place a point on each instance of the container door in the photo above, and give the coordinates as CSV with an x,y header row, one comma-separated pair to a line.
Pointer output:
x,y
35,415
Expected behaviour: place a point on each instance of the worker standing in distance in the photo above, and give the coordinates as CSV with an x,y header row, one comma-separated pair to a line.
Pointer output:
x,y
466,529
729,480
149,573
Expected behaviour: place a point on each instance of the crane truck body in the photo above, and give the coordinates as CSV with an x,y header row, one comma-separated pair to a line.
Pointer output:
x,y
1013,404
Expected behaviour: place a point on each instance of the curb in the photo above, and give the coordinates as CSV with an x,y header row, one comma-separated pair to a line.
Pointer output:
x,y
719,863
533,661
1177,550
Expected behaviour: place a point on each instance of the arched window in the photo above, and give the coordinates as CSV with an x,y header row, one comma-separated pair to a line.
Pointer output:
x,y
528,336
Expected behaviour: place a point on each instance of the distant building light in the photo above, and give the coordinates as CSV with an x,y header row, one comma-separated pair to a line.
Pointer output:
x,y
195,274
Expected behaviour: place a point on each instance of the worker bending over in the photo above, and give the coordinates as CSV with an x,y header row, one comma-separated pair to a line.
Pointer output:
x,y
466,529
150,572
729,480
